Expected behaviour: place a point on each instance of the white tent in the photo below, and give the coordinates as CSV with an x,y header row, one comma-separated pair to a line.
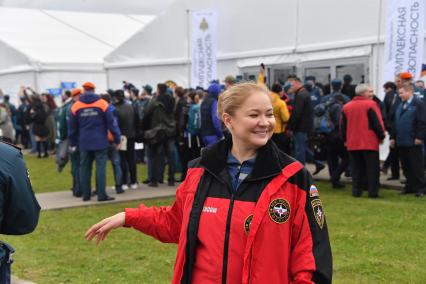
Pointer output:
x,y
41,49
326,38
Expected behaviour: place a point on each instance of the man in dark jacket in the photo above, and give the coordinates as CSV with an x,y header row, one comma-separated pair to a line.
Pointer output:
x,y
408,136
337,155
211,127
181,111
126,122
363,130
91,118
159,134
301,123
391,102
19,209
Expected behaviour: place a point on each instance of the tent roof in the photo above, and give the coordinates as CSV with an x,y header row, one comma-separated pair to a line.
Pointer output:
x,y
249,28
46,37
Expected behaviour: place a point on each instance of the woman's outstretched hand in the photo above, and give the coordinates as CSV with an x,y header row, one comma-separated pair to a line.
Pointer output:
x,y
101,229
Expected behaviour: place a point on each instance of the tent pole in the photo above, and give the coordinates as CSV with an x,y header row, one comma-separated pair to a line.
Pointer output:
x,y
188,26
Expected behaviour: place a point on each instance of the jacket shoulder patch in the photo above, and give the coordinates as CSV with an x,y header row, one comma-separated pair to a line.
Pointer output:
x,y
318,212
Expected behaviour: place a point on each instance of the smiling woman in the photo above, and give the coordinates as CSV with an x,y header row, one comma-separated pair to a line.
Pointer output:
x,y
246,110
243,205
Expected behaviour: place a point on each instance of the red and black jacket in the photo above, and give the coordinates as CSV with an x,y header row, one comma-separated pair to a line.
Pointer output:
x,y
272,230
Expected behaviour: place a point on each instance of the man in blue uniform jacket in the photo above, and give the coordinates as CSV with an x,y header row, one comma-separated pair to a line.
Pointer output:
x,y
19,209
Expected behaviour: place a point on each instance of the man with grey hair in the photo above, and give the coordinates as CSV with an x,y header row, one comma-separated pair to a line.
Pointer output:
x,y
363,130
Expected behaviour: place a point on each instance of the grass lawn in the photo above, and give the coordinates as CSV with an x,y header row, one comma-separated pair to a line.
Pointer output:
x,y
373,241
43,170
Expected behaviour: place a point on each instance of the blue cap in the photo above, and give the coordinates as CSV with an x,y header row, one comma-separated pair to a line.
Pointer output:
x,y
336,82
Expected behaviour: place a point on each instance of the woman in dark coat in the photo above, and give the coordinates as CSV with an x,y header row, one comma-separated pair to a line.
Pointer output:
x,y
38,116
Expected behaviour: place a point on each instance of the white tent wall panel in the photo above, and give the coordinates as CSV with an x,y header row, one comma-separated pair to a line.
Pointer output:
x,y
148,75
10,83
331,22
53,79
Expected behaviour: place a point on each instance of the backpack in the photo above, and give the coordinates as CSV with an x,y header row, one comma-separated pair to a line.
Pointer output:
x,y
194,119
322,120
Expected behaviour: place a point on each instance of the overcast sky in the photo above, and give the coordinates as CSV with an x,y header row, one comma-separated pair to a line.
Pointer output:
x,y
101,6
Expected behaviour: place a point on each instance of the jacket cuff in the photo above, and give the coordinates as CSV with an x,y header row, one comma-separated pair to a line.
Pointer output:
x,y
131,217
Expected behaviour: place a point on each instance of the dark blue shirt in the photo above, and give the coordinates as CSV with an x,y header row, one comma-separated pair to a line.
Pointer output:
x,y
238,172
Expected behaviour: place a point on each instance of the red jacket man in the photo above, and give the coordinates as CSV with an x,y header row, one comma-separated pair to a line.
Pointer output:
x,y
363,130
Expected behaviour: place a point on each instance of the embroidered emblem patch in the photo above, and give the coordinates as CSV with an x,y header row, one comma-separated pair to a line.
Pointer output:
x,y
279,210
313,191
318,212
247,223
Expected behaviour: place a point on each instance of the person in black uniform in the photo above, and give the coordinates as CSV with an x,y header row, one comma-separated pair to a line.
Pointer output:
x,y
19,209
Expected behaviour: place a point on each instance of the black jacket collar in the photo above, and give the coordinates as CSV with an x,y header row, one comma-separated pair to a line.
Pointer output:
x,y
269,161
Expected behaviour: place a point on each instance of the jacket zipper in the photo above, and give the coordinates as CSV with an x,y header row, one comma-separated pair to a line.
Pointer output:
x,y
226,245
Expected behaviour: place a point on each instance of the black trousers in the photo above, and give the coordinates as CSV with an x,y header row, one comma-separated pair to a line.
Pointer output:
x,y
191,149
392,161
128,163
365,172
413,168
337,157
156,155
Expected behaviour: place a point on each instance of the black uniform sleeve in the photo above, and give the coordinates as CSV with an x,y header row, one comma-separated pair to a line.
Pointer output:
x,y
19,208
420,124
374,124
321,248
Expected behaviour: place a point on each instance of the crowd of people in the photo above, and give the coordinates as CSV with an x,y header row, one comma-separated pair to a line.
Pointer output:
x,y
340,123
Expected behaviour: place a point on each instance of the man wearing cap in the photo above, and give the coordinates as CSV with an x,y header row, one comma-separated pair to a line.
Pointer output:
x,y
75,153
90,120
407,78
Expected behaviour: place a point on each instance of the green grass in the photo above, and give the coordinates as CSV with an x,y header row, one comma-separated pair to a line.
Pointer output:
x,y
45,177
373,241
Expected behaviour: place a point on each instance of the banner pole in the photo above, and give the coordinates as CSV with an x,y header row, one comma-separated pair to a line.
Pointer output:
x,y
188,18
378,75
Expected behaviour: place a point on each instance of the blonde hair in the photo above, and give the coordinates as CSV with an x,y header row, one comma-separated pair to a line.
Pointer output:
x,y
230,100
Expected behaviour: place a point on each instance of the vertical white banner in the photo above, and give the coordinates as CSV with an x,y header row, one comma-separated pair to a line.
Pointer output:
x,y
404,38
204,47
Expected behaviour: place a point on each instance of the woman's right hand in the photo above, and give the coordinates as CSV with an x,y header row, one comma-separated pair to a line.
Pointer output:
x,y
101,229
